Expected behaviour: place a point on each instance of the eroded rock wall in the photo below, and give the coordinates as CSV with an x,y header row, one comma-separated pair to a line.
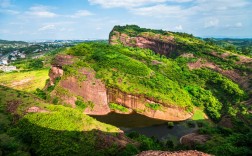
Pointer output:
x,y
94,90
91,89
138,103
165,46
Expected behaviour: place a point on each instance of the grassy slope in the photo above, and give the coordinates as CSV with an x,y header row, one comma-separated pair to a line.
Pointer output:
x,y
25,80
212,90
140,71
198,115
187,43
70,129
118,68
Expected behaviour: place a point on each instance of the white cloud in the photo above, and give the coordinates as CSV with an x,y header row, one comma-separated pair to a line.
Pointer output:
x,y
8,11
47,27
81,13
238,25
124,3
160,11
234,26
131,3
220,5
212,22
197,7
5,3
179,27
40,11
66,29
4,31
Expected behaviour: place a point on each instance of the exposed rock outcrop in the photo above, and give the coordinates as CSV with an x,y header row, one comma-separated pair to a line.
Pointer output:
x,y
95,91
176,153
35,109
242,80
194,139
138,102
57,64
226,121
62,60
91,89
107,140
163,45
54,73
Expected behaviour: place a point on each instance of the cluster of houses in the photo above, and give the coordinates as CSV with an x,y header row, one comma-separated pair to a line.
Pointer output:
x,y
4,60
7,68
16,54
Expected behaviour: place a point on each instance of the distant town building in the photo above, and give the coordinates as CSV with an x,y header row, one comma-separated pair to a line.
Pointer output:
x,y
13,58
38,56
35,51
4,61
22,55
8,68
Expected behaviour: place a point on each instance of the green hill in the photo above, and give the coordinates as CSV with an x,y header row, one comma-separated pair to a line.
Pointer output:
x,y
160,74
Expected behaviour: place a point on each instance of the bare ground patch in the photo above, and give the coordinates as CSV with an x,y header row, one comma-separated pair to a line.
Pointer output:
x,y
13,105
21,82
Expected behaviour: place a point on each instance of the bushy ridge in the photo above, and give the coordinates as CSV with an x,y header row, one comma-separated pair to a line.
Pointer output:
x,y
60,130
57,130
141,71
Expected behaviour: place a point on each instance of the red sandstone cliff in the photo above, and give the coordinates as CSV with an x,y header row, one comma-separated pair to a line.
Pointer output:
x,y
164,45
175,153
94,90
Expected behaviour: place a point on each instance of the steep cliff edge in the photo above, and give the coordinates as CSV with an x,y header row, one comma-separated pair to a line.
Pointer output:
x,y
164,45
132,72
93,90
174,44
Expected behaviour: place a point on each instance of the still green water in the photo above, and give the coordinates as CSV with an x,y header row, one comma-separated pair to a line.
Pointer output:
x,y
147,126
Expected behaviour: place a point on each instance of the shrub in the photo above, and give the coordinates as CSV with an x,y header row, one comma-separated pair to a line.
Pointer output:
x,y
118,107
80,104
153,106
170,124
40,93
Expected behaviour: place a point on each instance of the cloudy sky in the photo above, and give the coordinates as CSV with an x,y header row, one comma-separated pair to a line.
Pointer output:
x,y
93,19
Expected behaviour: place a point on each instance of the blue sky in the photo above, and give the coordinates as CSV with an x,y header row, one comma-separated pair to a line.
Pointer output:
x,y
94,19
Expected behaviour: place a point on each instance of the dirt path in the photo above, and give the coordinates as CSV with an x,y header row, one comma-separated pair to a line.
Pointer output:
x,y
21,82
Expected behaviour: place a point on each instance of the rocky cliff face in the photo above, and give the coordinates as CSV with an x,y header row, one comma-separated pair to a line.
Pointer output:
x,y
175,153
95,91
163,45
138,103
91,89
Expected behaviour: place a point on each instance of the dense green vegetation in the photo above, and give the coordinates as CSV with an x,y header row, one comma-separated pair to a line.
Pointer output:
x,y
198,115
228,141
197,46
60,130
214,93
118,68
27,81
241,46
135,71
73,131
153,106
117,107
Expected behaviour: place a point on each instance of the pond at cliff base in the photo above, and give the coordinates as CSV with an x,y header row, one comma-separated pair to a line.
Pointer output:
x,y
146,125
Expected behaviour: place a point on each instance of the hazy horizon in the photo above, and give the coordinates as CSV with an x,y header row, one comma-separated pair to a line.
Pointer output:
x,y
31,20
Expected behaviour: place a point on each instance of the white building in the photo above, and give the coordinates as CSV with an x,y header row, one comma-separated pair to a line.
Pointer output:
x,y
13,58
8,68
4,61
22,55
